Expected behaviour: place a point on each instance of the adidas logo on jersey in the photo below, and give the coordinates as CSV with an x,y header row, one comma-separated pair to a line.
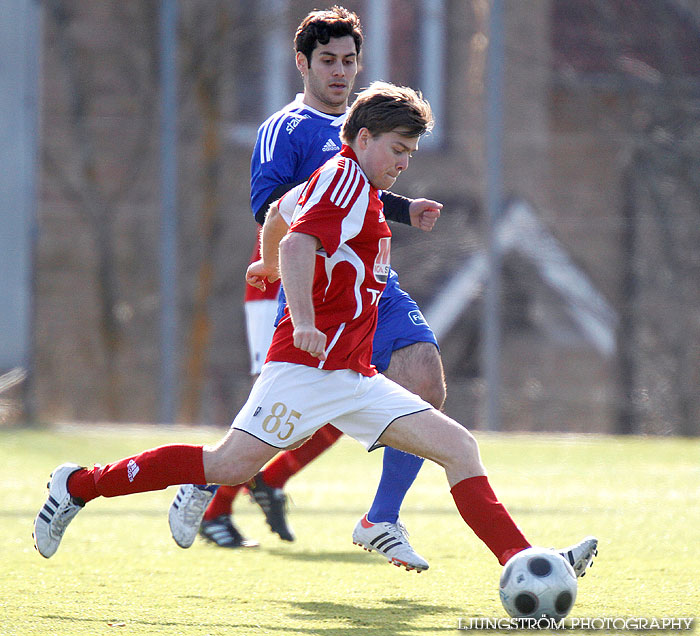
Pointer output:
x,y
331,146
132,468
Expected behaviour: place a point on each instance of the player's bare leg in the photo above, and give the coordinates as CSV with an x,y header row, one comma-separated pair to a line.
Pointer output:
x,y
236,458
442,440
433,435
233,460
418,368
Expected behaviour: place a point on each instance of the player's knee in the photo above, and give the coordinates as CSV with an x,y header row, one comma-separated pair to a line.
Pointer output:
x,y
465,445
462,452
229,475
222,468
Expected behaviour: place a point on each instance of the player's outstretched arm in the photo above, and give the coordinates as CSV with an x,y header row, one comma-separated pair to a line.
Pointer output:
x,y
274,229
297,261
424,213
266,269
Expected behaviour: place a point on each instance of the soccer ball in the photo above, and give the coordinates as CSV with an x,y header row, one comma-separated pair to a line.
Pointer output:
x,y
538,583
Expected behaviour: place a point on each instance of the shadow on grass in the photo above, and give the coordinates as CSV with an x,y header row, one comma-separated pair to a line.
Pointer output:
x,y
123,622
357,556
391,617
190,627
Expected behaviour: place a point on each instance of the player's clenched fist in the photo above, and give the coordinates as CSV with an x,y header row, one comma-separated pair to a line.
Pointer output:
x,y
424,213
257,274
311,340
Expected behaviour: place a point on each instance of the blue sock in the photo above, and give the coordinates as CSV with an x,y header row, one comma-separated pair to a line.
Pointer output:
x,y
399,471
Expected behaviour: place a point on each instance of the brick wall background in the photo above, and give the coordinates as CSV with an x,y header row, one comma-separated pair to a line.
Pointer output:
x,y
605,153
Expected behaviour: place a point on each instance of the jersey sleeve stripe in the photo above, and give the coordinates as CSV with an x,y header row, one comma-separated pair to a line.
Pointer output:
x,y
270,132
345,167
351,191
318,189
341,190
344,187
347,185
265,133
262,135
273,140
265,149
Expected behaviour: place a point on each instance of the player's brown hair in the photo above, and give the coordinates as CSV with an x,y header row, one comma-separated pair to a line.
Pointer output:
x,y
320,26
384,107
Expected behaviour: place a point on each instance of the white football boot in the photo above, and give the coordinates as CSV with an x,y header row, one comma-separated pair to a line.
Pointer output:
x,y
580,555
186,512
57,512
389,540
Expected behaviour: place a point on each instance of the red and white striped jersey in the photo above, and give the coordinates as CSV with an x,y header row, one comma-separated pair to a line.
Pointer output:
x,y
343,211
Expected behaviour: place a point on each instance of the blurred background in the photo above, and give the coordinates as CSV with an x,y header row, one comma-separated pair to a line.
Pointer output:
x,y
566,152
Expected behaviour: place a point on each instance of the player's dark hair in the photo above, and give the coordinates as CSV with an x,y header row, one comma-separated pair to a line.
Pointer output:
x,y
320,26
384,107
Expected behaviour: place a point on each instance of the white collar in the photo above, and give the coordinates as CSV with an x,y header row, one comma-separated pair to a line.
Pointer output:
x,y
336,120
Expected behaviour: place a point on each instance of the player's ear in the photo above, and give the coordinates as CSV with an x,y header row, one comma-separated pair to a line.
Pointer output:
x,y
363,137
302,63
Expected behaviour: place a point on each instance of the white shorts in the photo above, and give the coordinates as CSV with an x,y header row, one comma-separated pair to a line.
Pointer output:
x,y
290,402
260,327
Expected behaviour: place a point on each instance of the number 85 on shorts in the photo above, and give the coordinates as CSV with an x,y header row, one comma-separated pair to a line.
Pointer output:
x,y
275,424
269,413
280,421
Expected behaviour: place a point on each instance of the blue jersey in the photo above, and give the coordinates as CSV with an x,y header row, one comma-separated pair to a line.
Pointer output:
x,y
290,145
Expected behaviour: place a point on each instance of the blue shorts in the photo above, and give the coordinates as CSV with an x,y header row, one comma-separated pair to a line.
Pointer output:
x,y
400,323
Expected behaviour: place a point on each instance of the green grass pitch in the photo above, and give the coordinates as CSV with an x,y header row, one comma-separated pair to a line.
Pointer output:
x,y
119,572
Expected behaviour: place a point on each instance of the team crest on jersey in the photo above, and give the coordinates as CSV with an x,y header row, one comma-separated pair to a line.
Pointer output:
x,y
383,260
292,124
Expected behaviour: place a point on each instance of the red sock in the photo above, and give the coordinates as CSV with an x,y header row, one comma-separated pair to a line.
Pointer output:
x,y
222,503
488,518
286,464
153,469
